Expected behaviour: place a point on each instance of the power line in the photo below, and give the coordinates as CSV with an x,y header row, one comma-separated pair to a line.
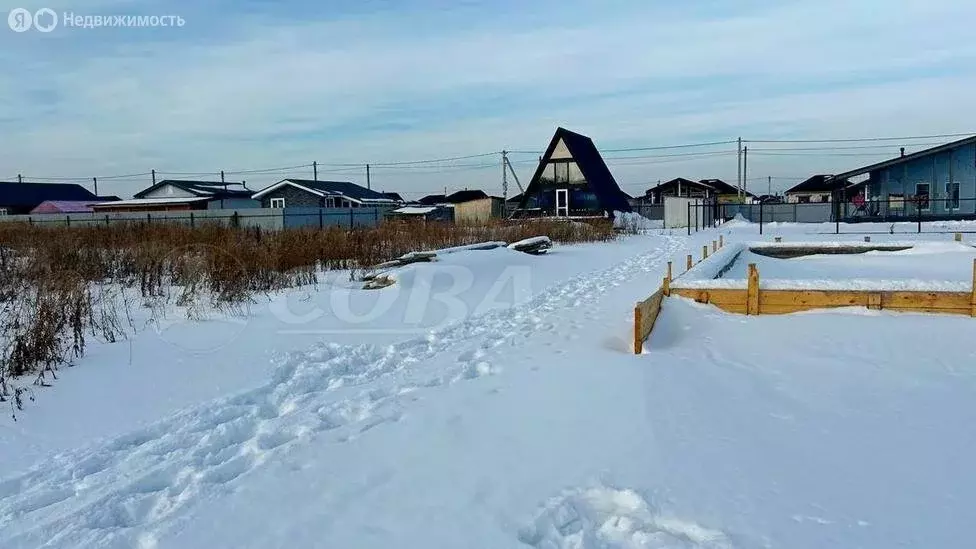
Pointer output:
x,y
820,154
858,139
636,149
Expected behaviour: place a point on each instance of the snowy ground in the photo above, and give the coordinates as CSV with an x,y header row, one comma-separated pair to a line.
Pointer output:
x,y
492,400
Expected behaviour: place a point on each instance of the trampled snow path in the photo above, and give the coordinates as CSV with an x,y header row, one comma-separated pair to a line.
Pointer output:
x,y
119,493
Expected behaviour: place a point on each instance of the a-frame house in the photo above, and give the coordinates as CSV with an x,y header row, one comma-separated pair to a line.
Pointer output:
x,y
572,180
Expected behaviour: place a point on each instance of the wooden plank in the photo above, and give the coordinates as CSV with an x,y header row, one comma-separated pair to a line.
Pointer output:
x,y
691,263
704,252
721,241
714,246
874,300
812,298
717,296
933,310
645,314
926,300
669,271
666,286
752,291
972,297
958,237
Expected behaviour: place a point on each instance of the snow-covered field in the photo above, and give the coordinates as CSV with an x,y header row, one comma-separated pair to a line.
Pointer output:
x,y
491,399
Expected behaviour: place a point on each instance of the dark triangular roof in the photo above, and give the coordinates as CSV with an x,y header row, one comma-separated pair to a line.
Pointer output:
x,y
210,189
819,183
465,196
24,195
392,196
590,163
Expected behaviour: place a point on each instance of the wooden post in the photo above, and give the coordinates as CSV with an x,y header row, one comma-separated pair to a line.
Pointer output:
x,y
714,246
778,239
752,292
867,239
721,241
704,252
666,286
972,297
958,237
669,271
691,263
638,341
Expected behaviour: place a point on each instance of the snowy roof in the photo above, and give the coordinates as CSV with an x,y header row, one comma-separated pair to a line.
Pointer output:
x,y
212,189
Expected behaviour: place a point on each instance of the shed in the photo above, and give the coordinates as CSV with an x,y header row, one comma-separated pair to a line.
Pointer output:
x,y
479,210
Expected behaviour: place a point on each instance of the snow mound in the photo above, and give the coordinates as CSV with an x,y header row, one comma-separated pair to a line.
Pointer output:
x,y
608,518
633,221
737,221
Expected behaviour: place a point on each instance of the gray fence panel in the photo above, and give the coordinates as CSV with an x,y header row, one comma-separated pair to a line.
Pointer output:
x,y
814,213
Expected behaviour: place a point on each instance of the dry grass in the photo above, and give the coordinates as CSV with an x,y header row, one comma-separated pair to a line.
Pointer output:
x,y
59,285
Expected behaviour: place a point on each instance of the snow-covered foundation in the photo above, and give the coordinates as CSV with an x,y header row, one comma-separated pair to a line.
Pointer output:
x,y
920,277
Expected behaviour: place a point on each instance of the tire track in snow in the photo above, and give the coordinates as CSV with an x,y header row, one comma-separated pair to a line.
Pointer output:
x,y
117,493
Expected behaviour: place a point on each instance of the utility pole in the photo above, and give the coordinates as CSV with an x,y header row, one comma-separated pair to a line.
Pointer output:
x,y
95,181
222,177
20,178
738,183
315,170
504,175
745,172
154,177
367,178
769,183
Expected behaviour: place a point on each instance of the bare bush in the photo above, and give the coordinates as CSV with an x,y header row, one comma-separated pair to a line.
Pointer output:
x,y
59,285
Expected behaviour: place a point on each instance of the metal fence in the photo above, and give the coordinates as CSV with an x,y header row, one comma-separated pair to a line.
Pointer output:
x,y
265,218
904,215
650,211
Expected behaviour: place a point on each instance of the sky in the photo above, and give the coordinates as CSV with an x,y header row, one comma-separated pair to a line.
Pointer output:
x,y
250,85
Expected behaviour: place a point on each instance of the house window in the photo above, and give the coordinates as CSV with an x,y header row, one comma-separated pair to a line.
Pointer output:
x,y
345,203
896,202
922,195
277,202
952,196
3,211
330,203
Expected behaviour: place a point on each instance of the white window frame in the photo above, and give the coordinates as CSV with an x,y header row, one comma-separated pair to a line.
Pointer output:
x,y
949,199
564,208
3,212
277,202
330,202
346,203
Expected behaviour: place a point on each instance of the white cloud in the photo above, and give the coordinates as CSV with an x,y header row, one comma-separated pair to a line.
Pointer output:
x,y
643,77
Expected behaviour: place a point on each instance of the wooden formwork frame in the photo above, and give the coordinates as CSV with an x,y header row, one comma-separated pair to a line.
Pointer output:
x,y
754,301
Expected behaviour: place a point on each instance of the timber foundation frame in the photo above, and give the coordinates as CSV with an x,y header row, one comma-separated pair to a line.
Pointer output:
x,y
753,300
